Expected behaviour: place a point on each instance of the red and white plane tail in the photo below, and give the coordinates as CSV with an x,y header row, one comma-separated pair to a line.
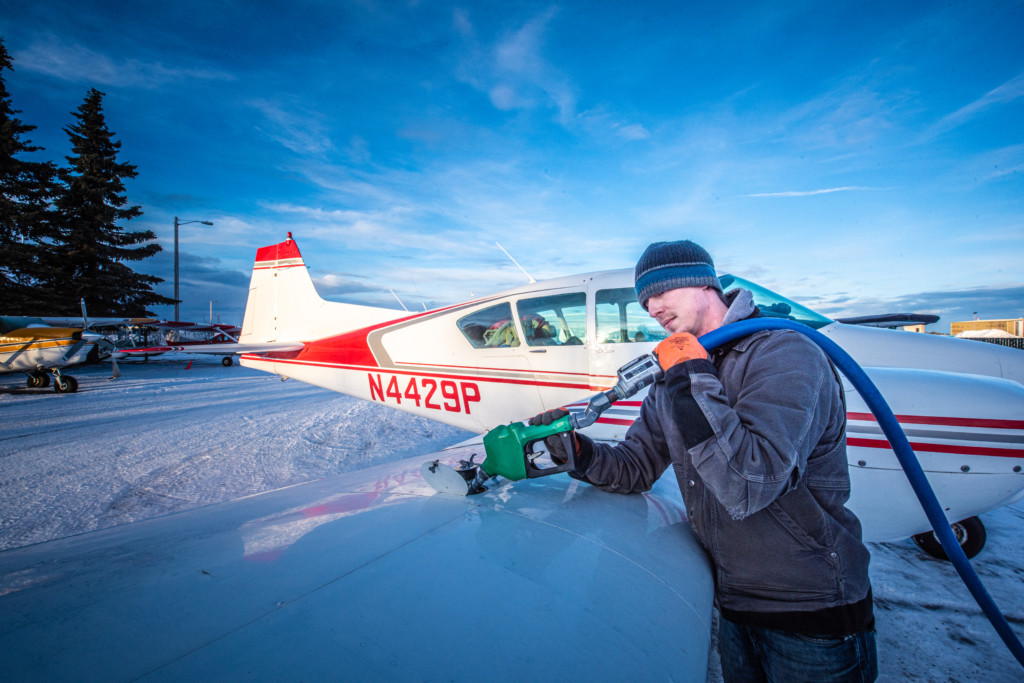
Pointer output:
x,y
284,306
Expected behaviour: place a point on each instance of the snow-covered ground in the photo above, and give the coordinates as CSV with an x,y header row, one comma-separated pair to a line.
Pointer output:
x,y
164,438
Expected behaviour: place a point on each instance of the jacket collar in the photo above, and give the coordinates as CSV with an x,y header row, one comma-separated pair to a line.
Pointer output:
x,y
741,307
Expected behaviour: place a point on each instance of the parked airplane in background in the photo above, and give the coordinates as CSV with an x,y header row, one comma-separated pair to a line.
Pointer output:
x,y
31,346
177,339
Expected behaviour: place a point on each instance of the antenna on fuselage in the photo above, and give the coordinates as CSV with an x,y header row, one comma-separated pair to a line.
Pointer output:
x,y
397,299
517,263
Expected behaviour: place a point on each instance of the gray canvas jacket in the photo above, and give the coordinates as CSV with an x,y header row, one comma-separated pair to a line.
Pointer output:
x,y
757,442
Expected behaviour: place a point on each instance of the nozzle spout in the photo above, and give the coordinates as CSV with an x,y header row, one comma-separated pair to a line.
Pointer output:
x,y
597,405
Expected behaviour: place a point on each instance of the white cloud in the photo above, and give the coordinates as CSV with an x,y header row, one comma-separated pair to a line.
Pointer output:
x,y
301,133
513,71
505,97
599,122
75,62
995,164
632,131
1009,91
809,193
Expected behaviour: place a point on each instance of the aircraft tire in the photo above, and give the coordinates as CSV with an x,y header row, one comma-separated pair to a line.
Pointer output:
x,y
226,361
969,532
38,380
66,385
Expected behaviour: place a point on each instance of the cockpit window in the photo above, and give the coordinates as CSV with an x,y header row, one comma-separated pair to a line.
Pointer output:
x,y
491,327
773,305
556,320
620,318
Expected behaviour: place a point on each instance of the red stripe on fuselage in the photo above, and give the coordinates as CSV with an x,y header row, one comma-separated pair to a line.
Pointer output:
x,y
946,421
434,375
474,367
939,448
615,421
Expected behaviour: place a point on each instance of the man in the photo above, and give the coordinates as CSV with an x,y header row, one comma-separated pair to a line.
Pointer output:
x,y
755,433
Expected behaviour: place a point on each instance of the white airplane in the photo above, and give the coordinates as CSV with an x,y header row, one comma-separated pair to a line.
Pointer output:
x,y
217,335
38,349
506,357
373,575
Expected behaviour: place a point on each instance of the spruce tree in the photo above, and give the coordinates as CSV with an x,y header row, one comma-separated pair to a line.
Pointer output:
x,y
26,188
92,246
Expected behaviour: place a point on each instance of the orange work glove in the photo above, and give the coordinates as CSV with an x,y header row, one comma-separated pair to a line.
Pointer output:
x,y
679,348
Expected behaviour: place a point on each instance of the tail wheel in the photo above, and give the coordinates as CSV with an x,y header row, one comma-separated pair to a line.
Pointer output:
x,y
65,384
970,534
226,361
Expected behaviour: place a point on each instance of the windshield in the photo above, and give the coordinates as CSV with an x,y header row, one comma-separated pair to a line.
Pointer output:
x,y
773,305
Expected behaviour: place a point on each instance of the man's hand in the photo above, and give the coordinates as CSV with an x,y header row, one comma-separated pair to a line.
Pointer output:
x,y
548,417
556,447
679,348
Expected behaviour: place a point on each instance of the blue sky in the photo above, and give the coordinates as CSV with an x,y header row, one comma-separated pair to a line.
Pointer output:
x,y
859,157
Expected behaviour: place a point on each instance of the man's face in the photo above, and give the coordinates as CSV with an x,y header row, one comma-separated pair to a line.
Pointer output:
x,y
681,310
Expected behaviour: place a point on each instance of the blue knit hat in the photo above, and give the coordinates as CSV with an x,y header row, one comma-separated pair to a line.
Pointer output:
x,y
670,265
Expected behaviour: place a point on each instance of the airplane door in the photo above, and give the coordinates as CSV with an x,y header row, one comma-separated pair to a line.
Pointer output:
x,y
554,325
622,331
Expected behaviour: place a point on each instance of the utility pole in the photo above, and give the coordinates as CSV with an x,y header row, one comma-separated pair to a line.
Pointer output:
x,y
176,224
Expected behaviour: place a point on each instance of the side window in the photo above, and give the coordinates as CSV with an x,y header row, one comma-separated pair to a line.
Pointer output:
x,y
556,320
620,318
492,327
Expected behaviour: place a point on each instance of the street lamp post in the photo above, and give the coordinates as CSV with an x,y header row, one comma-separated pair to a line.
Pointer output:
x,y
176,224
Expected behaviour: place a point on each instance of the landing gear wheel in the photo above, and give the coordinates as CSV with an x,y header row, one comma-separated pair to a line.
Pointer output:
x,y
226,361
66,384
38,380
970,533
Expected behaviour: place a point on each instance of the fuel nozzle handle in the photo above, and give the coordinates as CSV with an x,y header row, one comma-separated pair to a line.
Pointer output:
x,y
633,376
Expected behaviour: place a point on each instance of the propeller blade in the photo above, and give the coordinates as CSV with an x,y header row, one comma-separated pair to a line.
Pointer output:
x,y
85,316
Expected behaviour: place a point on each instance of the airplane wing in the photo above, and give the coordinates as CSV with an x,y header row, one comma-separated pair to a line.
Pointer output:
x,y
891,320
181,326
371,575
79,321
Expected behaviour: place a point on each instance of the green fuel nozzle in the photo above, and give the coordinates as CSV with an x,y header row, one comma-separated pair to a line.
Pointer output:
x,y
510,449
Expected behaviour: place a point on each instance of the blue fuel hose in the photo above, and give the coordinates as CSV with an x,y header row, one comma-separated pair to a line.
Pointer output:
x,y
900,445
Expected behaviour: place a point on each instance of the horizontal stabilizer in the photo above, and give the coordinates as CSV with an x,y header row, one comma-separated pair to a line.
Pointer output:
x,y
211,349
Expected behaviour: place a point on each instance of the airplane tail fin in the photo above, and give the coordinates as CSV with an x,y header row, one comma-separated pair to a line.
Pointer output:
x,y
284,306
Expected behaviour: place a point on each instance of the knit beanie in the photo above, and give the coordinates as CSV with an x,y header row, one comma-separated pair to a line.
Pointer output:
x,y
670,265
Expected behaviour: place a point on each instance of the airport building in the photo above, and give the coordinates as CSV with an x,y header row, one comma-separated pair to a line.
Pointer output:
x,y
1009,332
1013,326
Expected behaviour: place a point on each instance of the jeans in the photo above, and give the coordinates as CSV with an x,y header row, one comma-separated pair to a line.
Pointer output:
x,y
764,655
